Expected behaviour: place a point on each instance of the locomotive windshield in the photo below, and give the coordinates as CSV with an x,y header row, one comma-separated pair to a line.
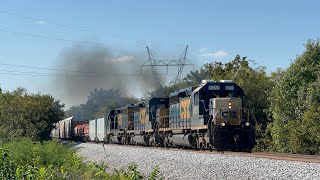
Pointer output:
x,y
235,94
225,90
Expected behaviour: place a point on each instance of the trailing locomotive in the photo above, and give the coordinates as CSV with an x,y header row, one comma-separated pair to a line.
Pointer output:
x,y
208,116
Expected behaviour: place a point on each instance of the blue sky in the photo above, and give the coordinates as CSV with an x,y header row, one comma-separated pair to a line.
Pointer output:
x,y
270,32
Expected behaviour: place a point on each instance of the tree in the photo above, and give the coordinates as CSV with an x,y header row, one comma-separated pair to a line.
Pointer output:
x,y
30,115
195,77
295,102
99,103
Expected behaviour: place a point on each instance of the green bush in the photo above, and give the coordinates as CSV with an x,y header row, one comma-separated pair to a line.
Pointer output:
x,y
29,115
25,151
25,159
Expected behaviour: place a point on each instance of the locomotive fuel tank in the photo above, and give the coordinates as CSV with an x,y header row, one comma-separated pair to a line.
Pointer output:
x,y
183,140
115,139
141,139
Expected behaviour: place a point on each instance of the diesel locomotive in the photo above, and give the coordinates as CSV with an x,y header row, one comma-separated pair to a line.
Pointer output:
x,y
208,116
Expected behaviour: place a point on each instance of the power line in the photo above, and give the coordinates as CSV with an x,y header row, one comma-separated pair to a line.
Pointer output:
x,y
76,27
65,70
50,22
62,39
53,74
53,69
17,73
84,74
21,73
9,72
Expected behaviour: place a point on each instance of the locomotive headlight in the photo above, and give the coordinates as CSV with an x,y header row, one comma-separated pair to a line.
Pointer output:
x,y
230,105
223,124
247,124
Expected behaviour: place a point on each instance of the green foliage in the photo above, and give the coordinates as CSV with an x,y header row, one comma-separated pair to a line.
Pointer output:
x,y
195,77
294,104
24,151
7,168
132,173
99,103
155,174
170,89
28,115
26,159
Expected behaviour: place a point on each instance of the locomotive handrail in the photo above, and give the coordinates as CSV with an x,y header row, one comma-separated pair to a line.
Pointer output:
x,y
204,105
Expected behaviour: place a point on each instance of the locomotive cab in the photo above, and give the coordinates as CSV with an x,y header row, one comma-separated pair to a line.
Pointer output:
x,y
229,123
218,106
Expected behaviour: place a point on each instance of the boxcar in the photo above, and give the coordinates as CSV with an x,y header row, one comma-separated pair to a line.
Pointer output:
x,y
55,133
93,130
66,127
101,128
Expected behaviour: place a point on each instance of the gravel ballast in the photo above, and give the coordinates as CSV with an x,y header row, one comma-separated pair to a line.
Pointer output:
x,y
175,164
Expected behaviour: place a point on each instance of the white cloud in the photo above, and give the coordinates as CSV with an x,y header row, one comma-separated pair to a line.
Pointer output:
x,y
40,22
217,54
202,50
123,59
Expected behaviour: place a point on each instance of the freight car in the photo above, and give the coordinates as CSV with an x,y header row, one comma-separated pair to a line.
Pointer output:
x,y
81,132
98,129
71,129
211,115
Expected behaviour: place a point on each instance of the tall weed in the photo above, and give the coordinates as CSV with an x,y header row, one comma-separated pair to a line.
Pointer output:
x,y
25,159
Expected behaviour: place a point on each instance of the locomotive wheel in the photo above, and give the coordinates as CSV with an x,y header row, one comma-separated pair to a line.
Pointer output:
x,y
152,143
220,150
202,147
123,140
248,150
210,149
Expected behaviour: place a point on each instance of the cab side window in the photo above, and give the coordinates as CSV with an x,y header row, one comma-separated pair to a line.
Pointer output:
x,y
196,99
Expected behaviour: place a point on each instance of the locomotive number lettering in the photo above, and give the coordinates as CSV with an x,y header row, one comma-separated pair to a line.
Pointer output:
x,y
213,88
229,88
231,114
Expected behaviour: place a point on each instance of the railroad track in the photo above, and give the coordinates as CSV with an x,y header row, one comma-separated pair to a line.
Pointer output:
x,y
282,156
267,155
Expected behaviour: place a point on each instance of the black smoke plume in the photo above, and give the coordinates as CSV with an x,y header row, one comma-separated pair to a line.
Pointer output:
x,y
96,66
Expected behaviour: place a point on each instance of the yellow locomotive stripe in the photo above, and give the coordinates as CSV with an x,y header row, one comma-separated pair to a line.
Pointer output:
x,y
184,109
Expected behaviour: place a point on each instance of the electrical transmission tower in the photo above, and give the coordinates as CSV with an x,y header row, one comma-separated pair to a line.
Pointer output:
x,y
180,63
